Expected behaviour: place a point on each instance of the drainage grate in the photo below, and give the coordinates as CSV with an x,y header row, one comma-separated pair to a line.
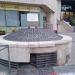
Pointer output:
x,y
5,63
43,60
32,35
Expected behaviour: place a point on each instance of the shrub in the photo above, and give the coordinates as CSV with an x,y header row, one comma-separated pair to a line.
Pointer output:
x,y
2,32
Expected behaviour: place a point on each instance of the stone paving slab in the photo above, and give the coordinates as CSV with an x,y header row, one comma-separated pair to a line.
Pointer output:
x,y
27,69
31,70
65,70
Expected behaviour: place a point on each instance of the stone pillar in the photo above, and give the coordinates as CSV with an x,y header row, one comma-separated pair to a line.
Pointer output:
x,y
58,9
61,57
52,20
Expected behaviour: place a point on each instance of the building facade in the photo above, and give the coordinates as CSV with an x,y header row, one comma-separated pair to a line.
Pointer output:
x,y
68,11
25,13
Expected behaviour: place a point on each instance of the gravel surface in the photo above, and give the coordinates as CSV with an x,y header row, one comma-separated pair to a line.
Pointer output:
x,y
29,35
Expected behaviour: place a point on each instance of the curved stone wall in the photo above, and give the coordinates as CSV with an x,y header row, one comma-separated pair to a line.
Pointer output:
x,y
20,51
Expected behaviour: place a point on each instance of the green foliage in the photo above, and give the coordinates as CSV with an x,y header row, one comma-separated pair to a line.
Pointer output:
x,y
2,32
72,20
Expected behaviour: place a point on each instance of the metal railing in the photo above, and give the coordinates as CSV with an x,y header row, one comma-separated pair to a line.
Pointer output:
x,y
9,63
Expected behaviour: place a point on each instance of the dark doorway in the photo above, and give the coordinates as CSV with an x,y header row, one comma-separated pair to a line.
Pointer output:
x,y
23,18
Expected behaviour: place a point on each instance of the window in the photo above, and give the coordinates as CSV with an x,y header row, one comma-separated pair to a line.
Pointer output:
x,y
12,18
2,18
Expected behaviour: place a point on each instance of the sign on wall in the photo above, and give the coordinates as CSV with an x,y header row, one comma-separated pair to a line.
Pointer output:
x,y
32,17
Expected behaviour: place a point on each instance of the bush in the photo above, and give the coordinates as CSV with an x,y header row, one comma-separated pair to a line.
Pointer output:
x,y
72,21
2,32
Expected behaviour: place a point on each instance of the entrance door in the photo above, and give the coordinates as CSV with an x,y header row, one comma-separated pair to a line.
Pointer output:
x,y
23,19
